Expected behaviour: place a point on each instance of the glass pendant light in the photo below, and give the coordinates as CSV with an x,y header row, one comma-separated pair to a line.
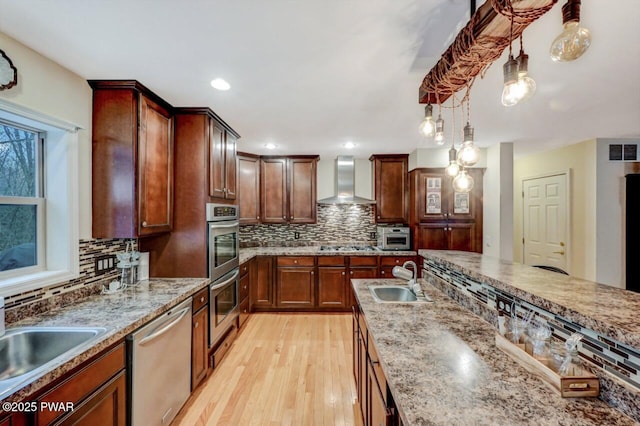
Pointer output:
x,y
453,168
512,91
463,182
469,153
526,83
574,40
439,138
427,126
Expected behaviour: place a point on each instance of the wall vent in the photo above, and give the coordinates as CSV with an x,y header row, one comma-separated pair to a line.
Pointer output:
x,y
623,152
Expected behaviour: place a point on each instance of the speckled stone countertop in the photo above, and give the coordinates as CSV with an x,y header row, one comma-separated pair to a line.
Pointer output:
x,y
443,368
121,313
605,309
249,253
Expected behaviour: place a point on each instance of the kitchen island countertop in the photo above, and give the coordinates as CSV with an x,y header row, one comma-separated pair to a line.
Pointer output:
x,y
249,253
443,367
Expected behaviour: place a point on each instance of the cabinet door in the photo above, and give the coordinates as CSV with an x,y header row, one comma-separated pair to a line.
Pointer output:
x,y
332,287
216,160
261,286
461,236
199,346
378,413
302,190
249,189
362,374
433,236
155,169
365,272
391,188
273,194
296,287
431,189
467,206
230,168
105,407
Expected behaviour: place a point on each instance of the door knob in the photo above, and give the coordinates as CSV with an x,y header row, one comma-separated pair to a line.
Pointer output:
x,y
559,252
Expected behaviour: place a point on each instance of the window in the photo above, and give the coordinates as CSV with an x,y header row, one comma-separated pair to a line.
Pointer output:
x,y
39,208
21,198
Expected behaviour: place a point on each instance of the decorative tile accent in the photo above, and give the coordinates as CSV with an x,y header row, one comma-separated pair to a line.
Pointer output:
x,y
335,224
33,302
601,354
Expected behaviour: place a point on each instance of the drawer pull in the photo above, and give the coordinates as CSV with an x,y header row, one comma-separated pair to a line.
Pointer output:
x,y
202,299
196,326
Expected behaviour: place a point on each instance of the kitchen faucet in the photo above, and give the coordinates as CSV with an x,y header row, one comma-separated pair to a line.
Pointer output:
x,y
413,285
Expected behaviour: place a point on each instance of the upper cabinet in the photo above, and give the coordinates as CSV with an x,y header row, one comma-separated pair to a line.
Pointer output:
x,y
132,151
249,188
288,189
391,187
222,162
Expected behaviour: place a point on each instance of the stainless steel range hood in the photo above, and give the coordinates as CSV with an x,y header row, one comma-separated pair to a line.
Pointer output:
x,y
345,184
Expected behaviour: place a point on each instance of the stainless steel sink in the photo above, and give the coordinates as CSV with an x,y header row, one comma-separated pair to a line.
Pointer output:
x,y
27,352
394,294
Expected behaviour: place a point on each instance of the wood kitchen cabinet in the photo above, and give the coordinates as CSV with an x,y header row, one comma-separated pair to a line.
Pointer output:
x,y
262,289
295,282
288,189
442,219
199,337
97,391
222,161
199,139
132,166
333,284
249,188
391,187
361,267
387,263
243,292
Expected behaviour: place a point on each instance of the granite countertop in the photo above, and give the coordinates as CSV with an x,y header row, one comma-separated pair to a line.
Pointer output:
x,y
249,253
121,313
443,367
608,310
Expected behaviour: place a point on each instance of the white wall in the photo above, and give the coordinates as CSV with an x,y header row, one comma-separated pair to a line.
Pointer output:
x,y
327,174
46,87
497,227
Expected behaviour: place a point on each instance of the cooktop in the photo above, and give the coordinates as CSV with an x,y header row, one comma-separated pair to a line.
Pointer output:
x,y
349,248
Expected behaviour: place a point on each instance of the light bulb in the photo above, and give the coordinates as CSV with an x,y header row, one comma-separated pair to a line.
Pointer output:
x,y
574,40
427,127
512,92
439,138
469,153
463,182
453,168
526,85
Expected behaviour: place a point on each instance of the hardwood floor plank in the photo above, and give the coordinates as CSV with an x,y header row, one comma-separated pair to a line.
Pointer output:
x,y
283,369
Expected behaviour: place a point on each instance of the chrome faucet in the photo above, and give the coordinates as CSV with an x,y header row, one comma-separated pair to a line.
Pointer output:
x,y
412,284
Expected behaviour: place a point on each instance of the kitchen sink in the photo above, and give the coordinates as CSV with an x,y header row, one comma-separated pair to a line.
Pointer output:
x,y
27,352
395,294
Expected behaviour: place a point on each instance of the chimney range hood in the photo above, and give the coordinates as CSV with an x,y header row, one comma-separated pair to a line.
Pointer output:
x,y
345,184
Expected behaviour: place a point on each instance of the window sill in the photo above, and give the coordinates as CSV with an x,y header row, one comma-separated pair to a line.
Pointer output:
x,y
43,279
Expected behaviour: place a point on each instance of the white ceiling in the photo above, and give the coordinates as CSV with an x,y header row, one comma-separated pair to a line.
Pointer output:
x,y
311,75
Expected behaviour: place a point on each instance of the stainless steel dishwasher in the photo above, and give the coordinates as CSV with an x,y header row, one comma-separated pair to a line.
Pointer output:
x,y
160,367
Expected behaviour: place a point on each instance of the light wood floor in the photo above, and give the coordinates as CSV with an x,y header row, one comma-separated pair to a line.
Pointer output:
x,y
283,369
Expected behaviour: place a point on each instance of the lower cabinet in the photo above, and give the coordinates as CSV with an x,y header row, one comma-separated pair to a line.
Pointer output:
x,y
447,236
295,282
262,291
376,405
387,263
199,337
333,284
97,391
361,267
243,292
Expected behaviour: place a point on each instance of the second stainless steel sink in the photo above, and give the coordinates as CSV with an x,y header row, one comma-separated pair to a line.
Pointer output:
x,y
394,294
27,352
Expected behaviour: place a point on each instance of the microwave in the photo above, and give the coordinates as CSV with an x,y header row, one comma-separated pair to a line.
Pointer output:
x,y
394,237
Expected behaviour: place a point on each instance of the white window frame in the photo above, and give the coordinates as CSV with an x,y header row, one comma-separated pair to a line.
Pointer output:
x,y
61,208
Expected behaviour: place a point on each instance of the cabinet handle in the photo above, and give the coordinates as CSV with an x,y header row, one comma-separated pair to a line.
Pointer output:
x,y
378,217
258,217
351,272
284,217
196,326
244,311
295,261
292,217
202,299
397,260
382,272
343,273
144,224
311,272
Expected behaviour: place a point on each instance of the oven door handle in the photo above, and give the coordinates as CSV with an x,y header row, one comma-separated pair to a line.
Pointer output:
x,y
222,284
218,226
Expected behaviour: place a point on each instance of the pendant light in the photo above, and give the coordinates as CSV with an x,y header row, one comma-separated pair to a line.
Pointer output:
x,y
463,182
439,137
427,126
453,168
469,153
527,85
511,92
574,40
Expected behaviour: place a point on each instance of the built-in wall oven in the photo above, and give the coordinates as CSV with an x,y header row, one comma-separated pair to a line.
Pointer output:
x,y
224,271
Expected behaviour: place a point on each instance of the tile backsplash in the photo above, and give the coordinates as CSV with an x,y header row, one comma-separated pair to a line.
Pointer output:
x,y
32,302
335,224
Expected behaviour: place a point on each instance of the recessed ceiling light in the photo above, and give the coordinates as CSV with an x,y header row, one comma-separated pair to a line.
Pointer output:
x,y
220,84
270,145
349,145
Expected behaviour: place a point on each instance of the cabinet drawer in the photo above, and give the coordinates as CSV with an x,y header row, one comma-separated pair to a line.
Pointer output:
x,y
331,261
377,368
244,312
243,291
363,261
200,299
394,260
83,383
244,269
296,261
224,347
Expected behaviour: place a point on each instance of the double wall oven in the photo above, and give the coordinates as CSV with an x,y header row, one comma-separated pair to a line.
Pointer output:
x,y
224,268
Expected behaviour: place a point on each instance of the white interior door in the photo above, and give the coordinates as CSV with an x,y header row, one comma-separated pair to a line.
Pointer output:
x,y
545,221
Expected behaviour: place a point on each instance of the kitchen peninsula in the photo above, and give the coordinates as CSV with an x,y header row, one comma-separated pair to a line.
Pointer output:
x,y
442,366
